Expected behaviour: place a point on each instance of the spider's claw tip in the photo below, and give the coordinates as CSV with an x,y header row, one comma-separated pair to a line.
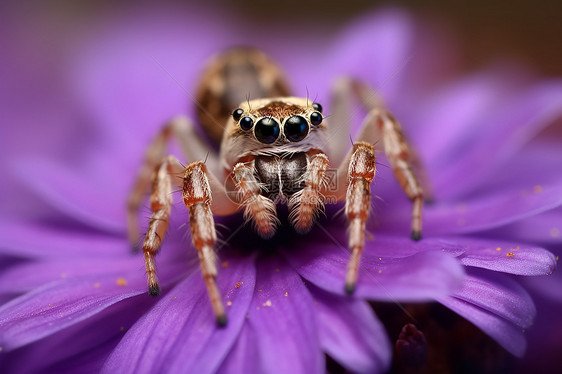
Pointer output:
x,y
349,288
222,320
415,235
154,290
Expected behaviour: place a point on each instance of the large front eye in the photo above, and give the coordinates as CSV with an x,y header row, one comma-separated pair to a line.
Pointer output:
x,y
296,128
267,130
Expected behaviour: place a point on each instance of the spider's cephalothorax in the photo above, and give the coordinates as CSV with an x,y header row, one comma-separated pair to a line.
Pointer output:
x,y
274,149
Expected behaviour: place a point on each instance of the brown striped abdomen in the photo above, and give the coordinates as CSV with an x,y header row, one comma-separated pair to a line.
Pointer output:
x,y
232,77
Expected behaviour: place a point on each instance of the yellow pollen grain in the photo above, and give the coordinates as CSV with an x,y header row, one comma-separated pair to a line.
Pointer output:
x,y
96,285
556,258
461,221
121,282
554,232
537,189
229,303
267,303
287,294
380,271
121,328
259,290
517,248
510,254
175,297
380,258
277,270
63,275
224,264
49,304
1,349
498,249
237,285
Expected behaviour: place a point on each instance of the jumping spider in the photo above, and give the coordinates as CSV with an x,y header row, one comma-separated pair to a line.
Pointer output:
x,y
275,146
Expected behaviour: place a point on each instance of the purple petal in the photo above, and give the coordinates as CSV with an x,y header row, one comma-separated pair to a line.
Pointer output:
x,y
180,333
63,303
547,286
83,195
542,228
45,241
507,130
281,332
502,256
29,275
390,269
496,304
93,338
507,335
477,214
351,333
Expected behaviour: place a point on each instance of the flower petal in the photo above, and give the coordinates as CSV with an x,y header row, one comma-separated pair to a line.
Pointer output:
x,y
417,272
351,333
506,130
502,256
31,240
280,332
497,305
63,303
180,334
477,214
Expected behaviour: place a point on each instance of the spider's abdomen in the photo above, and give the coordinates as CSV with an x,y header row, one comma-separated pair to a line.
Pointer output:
x,y
281,177
234,76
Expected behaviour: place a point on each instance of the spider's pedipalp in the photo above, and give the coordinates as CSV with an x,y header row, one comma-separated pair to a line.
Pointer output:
x,y
305,204
257,208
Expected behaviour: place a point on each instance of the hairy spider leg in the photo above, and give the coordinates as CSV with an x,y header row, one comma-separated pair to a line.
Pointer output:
x,y
361,173
197,198
167,174
380,124
181,129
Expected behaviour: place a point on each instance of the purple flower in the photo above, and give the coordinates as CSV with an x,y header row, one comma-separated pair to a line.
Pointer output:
x,y
76,297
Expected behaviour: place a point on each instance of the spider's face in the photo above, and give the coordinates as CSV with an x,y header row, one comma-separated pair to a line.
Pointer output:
x,y
273,126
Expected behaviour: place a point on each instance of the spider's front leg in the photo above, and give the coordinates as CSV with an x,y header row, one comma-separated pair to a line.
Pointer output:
x,y
401,155
361,172
196,187
197,197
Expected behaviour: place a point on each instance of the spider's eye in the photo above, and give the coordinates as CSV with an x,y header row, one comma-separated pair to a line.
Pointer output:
x,y
296,128
246,123
267,130
315,118
317,106
237,114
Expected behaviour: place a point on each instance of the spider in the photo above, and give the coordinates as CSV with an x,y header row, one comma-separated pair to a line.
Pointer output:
x,y
276,149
